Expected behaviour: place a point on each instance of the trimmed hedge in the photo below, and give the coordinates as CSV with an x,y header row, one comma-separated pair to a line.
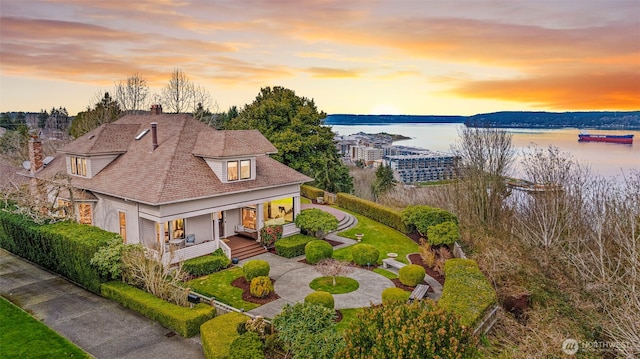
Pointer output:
x,y
65,248
411,275
311,192
321,298
395,294
466,292
219,333
247,346
364,254
376,212
184,321
204,265
443,233
255,268
317,250
293,246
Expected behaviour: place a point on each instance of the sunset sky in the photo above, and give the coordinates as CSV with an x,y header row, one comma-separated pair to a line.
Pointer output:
x,y
456,57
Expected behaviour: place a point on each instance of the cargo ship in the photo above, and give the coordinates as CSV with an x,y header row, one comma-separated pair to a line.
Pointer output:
x,y
625,139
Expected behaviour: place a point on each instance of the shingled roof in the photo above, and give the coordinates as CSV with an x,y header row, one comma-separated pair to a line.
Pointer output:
x,y
175,171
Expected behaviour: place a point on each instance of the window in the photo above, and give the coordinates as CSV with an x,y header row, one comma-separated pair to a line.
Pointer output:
x,y
232,171
173,229
122,221
78,165
245,169
84,212
249,217
63,208
278,212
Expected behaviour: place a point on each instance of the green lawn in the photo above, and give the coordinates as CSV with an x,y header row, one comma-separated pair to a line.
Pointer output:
x,y
385,238
22,336
218,285
343,284
385,273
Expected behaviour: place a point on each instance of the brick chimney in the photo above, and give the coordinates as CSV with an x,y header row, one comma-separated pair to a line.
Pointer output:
x,y
35,154
156,109
154,134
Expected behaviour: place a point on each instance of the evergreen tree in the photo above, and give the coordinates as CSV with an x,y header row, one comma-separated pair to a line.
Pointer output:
x,y
106,110
384,181
295,126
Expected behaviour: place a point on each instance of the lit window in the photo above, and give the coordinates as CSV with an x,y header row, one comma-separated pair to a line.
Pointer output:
x,y
84,210
78,165
122,219
232,171
245,169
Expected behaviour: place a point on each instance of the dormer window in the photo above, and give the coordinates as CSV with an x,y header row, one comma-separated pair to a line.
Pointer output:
x,y
78,166
238,170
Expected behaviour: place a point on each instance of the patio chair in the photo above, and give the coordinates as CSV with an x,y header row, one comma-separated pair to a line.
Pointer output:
x,y
191,240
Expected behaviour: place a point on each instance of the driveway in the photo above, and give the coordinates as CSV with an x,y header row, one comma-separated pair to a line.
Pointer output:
x,y
101,327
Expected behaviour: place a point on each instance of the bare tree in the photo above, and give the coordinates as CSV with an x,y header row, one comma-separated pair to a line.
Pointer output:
x,y
485,158
132,93
333,268
178,95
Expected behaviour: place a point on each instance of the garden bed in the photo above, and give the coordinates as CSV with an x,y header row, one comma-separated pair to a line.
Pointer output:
x,y
417,259
242,283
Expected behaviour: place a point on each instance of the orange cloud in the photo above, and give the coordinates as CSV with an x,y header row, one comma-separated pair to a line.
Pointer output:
x,y
326,72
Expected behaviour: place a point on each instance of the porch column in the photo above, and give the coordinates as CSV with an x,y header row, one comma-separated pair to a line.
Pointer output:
x,y
259,218
296,206
160,236
216,226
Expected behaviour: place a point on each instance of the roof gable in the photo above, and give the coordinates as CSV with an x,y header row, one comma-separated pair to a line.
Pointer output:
x,y
222,144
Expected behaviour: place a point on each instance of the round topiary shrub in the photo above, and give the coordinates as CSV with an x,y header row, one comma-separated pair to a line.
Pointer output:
x,y
411,275
321,298
261,287
317,250
364,254
395,295
247,346
255,268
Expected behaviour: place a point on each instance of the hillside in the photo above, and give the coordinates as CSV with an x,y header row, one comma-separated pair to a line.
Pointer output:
x,y
629,120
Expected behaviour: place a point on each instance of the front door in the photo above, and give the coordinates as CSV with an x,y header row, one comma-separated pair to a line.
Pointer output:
x,y
221,224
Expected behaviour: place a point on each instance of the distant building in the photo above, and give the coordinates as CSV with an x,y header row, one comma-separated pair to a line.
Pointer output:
x,y
366,154
411,164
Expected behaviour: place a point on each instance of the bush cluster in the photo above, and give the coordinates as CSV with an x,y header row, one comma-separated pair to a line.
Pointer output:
x,y
247,346
255,268
443,233
311,192
420,218
411,275
317,250
321,298
261,287
65,248
364,254
184,321
377,212
204,265
293,246
218,333
316,222
466,292
395,294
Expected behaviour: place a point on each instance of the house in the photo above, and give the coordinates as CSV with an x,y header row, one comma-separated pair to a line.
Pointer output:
x,y
168,181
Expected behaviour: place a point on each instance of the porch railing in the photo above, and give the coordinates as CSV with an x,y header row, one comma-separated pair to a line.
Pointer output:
x,y
182,254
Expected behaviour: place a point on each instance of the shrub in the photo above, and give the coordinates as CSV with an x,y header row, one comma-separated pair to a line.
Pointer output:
x,y
65,248
395,294
261,287
311,192
420,218
255,268
428,257
321,298
293,246
375,211
364,254
308,331
420,330
411,275
466,292
218,333
443,233
184,321
317,250
247,346
316,222
269,235
204,265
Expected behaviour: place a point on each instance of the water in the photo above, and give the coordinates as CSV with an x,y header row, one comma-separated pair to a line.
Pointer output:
x,y
605,159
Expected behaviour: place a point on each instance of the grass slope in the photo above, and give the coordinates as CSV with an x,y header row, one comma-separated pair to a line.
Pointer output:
x,y
218,285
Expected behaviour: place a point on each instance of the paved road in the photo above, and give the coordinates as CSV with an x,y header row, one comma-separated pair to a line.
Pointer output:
x,y
99,326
